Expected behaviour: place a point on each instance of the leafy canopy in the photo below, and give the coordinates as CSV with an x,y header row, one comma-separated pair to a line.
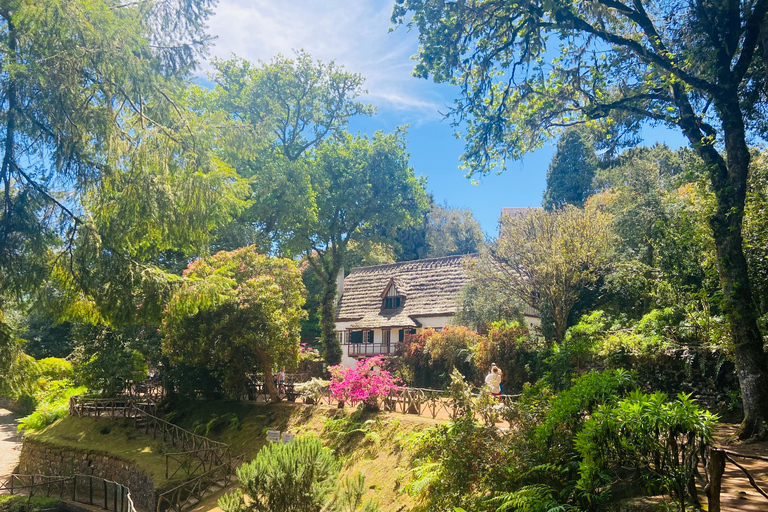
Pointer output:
x,y
234,310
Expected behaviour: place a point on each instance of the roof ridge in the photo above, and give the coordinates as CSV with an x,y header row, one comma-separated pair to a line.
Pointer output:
x,y
411,262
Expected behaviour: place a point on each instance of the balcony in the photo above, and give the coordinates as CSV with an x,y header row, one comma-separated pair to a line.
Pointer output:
x,y
371,349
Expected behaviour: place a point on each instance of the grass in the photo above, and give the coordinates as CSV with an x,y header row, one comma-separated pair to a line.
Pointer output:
x,y
116,438
368,443
23,503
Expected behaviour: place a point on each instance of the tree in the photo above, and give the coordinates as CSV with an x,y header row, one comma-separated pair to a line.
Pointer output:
x,y
569,177
270,115
547,259
619,64
236,309
79,79
451,231
364,189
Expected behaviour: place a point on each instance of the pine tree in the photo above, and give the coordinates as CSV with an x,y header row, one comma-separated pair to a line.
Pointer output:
x,y
569,177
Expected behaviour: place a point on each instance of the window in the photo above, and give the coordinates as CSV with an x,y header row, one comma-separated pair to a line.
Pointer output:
x,y
391,302
385,336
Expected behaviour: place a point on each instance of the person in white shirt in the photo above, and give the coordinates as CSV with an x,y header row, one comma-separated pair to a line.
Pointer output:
x,y
493,380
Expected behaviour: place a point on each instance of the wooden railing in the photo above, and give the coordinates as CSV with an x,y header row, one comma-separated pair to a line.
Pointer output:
x,y
199,452
86,489
136,409
715,459
371,349
193,491
191,462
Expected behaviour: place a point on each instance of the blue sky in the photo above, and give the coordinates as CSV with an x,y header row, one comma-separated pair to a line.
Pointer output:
x,y
356,34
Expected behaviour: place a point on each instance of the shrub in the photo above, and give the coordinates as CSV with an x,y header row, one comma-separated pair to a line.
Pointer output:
x,y
658,438
574,354
570,408
445,477
53,407
313,390
365,384
295,477
517,354
429,357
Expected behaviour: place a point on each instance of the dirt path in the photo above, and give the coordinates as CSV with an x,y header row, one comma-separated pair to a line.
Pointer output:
x,y
737,494
10,444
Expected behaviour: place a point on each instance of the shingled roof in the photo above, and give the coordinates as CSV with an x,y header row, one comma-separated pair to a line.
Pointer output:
x,y
430,288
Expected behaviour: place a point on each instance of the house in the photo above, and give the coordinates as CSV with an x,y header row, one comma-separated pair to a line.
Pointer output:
x,y
382,304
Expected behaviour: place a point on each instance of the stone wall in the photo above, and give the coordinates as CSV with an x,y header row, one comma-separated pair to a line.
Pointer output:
x,y
38,458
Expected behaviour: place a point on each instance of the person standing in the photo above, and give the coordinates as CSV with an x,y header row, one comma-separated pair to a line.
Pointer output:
x,y
501,383
493,380
281,380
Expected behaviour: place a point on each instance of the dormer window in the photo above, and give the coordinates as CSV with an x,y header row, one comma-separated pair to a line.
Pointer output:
x,y
391,302
392,298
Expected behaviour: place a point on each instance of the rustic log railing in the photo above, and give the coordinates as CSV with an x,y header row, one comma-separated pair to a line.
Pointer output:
x,y
199,452
86,489
193,491
191,462
137,410
715,459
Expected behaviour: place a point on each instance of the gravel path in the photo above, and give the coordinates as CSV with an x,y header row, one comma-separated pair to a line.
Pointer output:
x,y
10,444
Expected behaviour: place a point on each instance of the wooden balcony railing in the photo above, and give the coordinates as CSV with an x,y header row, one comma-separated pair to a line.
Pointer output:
x,y
371,349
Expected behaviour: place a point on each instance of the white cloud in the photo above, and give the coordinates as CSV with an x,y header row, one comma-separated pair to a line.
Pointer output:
x,y
353,33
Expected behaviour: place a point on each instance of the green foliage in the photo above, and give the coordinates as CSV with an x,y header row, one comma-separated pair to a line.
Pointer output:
x,y
363,189
428,358
51,408
569,409
104,360
519,355
531,498
20,503
295,477
349,497
659,439
570,174
234,308
574,354
444,477
352,430
88,74
548,259
215,424
450,231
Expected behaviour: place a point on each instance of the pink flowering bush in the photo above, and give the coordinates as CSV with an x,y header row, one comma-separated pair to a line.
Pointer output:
x,y
364,384
307,353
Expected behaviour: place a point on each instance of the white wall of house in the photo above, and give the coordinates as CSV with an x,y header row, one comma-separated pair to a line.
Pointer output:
x,y
435,322
533,323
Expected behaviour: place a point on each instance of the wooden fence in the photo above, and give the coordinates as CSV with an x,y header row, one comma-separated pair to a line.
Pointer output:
x,y
199,453
194,490
84,489
715,459
191,462
151,425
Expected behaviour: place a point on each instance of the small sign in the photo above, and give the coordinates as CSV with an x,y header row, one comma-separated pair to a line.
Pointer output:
x,y
288,437
273,436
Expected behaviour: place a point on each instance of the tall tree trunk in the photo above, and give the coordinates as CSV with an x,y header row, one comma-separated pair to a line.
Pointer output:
x,y
327,271
730,186
328,323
